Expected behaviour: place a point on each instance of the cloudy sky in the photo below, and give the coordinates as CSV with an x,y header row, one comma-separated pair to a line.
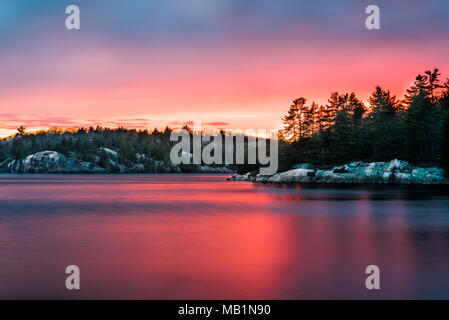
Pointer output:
x,y
227,63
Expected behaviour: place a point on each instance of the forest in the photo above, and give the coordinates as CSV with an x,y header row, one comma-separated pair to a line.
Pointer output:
x,y
85,144
414,128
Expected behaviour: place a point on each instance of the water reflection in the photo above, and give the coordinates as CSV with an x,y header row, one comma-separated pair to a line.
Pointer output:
x,y
197,236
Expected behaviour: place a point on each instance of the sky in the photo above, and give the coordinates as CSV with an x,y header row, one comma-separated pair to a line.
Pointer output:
x,y
227,63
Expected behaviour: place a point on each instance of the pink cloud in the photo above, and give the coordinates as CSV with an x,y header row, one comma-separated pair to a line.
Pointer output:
x,y
33,122
217,124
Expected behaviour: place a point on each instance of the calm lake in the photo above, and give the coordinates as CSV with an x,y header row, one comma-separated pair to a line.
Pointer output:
x,y
200,237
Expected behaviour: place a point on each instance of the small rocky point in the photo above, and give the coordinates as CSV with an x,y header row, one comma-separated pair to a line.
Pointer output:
x,y
393,172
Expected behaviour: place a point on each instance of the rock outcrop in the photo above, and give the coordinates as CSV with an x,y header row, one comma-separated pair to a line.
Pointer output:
x,y
393,172
55,162
51,162
4,166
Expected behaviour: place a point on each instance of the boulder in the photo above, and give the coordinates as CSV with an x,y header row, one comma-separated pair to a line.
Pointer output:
x,y
392,172
54,162
304,166
213,169
166,167
4,166
111,153
51,162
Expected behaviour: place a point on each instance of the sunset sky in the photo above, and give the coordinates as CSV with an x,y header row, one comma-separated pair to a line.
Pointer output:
x,y
227,63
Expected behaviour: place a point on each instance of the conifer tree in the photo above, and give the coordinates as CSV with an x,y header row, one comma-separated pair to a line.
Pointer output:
x,y
385,126
293,121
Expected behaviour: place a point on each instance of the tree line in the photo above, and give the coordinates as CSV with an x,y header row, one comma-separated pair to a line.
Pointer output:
x,y
86,142
415,128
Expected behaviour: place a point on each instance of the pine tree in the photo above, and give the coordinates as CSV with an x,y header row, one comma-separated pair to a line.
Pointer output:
x,y
445,141
21,131
293,121
310,119
443,100
323,125
419,140
385,126
419,87
342,144
433,80
333,107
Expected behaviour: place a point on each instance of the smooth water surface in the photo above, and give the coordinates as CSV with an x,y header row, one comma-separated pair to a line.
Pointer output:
x,y
200,237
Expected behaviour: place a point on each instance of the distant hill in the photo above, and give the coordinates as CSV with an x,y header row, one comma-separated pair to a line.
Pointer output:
x,y
93,150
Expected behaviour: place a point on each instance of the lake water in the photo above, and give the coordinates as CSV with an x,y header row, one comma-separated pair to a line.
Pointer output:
x,y
200,237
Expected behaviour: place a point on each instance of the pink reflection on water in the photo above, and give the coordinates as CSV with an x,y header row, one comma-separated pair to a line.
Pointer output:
x,y
144,253
199,237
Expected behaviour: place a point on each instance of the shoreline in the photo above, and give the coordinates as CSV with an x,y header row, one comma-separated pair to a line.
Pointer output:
x,y
394,172
52,162
114,173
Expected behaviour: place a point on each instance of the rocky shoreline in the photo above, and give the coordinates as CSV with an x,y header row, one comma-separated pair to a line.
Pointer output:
x,y
393,172
55,162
